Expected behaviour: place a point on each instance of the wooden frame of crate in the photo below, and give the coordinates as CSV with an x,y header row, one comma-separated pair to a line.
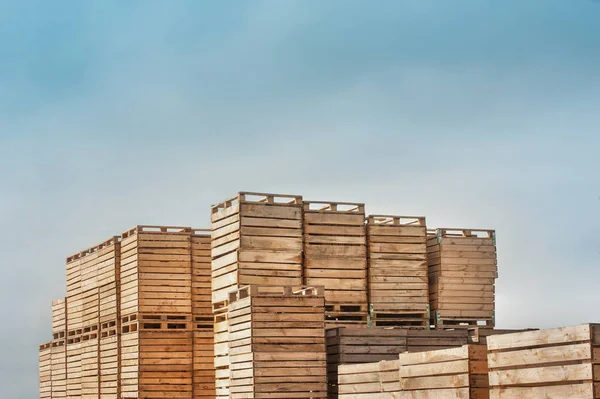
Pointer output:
x,y
335,256
277,342
256,239
45,370
555,363
379,380
447,373
462,274
398,272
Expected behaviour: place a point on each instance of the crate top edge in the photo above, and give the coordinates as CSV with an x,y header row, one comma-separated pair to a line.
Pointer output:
x,y
160,229
94,249
269,198
396,218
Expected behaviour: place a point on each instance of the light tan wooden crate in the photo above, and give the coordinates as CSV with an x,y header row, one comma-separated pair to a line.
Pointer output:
x,y
59,369
45,370
155,275
59,319
156,364
462,273
446,373
89,365
277,343
109,365
74,354
109,261
479,335
397,269
221,353
335,256
555,363
203,364
202,314
379,380
256,239
90,308
347,345
108,302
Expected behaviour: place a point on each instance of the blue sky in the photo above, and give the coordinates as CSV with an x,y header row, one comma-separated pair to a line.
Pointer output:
x,y
475,114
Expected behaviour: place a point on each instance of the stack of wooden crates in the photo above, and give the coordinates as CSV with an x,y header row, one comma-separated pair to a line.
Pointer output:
x,y
256,239
58,351
398,289
462,273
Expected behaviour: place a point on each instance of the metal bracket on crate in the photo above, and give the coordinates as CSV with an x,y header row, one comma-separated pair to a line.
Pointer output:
x,y
438,234
370,316
494,237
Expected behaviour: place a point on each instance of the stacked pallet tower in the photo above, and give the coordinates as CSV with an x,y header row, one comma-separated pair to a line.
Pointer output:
x,y
256,239
335,256
556,363
156,321
398,278
202,322
58,350
462,274
277,343
448,373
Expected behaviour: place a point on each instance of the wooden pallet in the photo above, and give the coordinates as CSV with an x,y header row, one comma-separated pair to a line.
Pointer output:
x,y
335,256
45,370
462,274
555,363
156,364
109,365
59,369
90,380
447,373
366,345
379,380
256,239
156,270
59,319
398,278
277,343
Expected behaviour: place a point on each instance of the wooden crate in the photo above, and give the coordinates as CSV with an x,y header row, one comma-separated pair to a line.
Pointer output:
x,y
74,353
90,308
221,353
109,271
379,380
109,365
74,303
201,280
256,239
109,303
89,365
447,373
555,363
156,363
397,269
59,319
59,369
45,370
462,273
277,343
366,345
335,256
156,271
203,364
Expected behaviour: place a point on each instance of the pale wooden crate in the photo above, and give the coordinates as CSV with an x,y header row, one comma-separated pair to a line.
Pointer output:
x,y
90,308
59,369
479,335
446,373
109,365
202,314
347,345
108,302
256,240
155,273
74,354
108,261
203,364
221,353
59,319
462,273
555,363
90,381
45,370
379,380
398,272
277,343
156,364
